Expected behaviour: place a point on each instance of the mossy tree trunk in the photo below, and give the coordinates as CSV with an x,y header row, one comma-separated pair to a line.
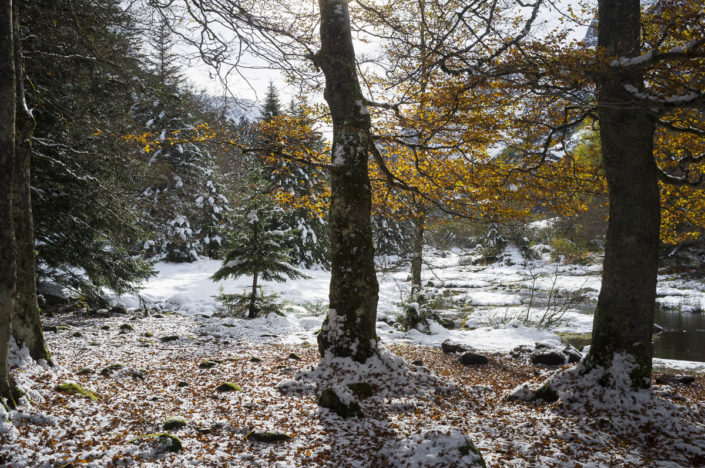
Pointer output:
x,y
7,242
625,312
26,323
349,328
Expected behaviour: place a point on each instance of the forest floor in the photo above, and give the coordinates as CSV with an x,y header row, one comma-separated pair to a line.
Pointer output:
x,y
161,379
147,367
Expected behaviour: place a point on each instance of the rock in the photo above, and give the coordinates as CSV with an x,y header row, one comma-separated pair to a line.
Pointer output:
x,y
50,328
71,388
267,436
430,284
53,294
345,407
473,359
105,327
675,380
148,334
140,374
255,359
86,371
572,354
228,387
361,389
543,346
520,351
294,356
182,384
166,441
552,357
118,309
207,364
109,370
436,447
174,423
449,347
418,362
127,327
168,338
77,335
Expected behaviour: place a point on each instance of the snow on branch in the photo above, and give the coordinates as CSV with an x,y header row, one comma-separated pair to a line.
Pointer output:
x,y
689,50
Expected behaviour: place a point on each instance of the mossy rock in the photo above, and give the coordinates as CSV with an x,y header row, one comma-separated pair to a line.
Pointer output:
x,y
168,338
50,328
174,423
208,364
361,389
228,387
255,359
546,393
167,442
146,341
126,327
294,356
105,327
86,371
267,436
107,371
77,335
64,327
329,399
148,334
71,388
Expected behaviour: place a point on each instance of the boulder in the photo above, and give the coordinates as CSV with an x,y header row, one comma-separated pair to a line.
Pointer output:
x,y
449,347
550,357
573,355
473,359
436,447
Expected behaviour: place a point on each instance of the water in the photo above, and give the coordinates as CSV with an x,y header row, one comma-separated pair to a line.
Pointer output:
x,y
684,338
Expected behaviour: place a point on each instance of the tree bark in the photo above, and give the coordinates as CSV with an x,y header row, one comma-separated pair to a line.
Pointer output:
x,y
26,323
417,258
624,318
349,328
253,298
7,242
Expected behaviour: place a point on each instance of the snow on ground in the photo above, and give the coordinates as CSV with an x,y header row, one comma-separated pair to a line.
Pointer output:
x,y
145,368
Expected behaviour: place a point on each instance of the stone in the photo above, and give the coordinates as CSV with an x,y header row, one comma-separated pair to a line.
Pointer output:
x,y
118,309
109,370
72,388
330,399
573,355
166,442
207,364
228,387
77,335
168,338
294,356
418,362
86,371
105,327
255,359
182,384
473,359
520,351
449,347
50,328
127,327
551,357
675,380
267,436
174,423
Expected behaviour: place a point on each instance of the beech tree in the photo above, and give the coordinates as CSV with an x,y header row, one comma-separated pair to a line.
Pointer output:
x,y
8,391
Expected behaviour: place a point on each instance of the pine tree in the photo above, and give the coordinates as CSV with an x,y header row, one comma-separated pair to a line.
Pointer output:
x,y
258,248
272,106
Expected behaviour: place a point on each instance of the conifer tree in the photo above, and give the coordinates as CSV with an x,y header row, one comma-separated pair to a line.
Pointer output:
x,y
258,248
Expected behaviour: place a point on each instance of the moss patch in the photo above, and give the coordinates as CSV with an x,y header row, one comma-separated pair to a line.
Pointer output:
x,y
71,388
174,423
228,387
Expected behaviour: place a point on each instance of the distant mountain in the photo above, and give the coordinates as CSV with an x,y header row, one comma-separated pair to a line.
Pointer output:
x,y
234,109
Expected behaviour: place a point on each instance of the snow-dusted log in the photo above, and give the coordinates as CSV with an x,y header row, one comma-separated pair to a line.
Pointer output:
x,y
349,328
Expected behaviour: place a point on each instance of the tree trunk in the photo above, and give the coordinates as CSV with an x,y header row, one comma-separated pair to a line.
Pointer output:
x,y
7,242
417,258
253,298
349,328
26,324
624,318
